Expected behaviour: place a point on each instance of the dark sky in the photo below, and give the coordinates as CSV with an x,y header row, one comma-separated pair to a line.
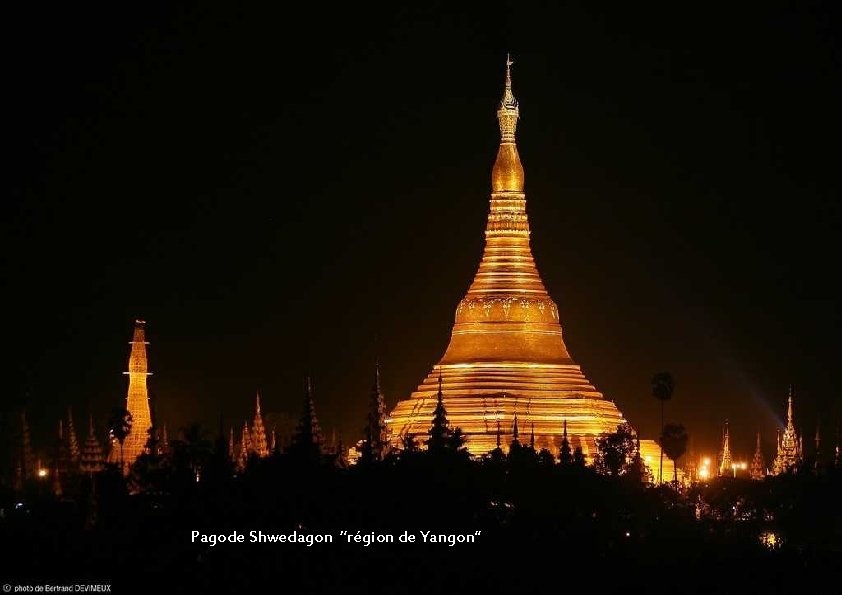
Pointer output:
x,y
273,189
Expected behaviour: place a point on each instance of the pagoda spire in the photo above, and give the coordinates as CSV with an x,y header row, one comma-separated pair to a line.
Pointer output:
x,y
308,442
137,398
258,432
72,442
92,459
62,461
376,433
725,461
758,467
789,422
508,111
231,453
565,455
245,447
790,445
439,430
532,436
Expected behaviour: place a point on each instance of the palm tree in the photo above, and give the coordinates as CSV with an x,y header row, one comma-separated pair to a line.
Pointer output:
x,y
662,388
674,443
119,426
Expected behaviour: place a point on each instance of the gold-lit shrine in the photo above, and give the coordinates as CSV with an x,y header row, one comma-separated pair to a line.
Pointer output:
x,y
137,403
507,356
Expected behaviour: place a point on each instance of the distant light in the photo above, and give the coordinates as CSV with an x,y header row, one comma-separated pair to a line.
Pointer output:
x,y
628,534
771,539
42,473
706,461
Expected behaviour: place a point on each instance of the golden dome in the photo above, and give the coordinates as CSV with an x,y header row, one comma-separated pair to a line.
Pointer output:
x,y
507,355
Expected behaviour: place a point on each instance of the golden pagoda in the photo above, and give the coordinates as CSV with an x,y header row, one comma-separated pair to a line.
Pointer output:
x,y
507,358
789,450
137,400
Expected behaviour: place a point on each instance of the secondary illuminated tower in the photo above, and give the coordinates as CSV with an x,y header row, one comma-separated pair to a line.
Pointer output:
x,y
72,441
506,347
725,455
789,445
137,400
758,465
258,432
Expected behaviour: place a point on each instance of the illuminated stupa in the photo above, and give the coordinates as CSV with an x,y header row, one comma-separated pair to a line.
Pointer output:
x,y
507,356
137,401
789,451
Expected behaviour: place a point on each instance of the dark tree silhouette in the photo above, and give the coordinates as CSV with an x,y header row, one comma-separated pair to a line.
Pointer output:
x,y
439,430
674,444
565,455
409,444
616,451
151,470
192,451
546,458
119,426
456,441
662,389
578,457
636,472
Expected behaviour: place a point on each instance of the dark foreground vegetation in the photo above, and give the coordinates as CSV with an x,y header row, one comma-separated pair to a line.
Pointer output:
x,y
545,527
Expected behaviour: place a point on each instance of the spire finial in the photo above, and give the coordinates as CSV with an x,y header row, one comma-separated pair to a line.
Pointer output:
x,y
257,399
507,174
789,407
508,105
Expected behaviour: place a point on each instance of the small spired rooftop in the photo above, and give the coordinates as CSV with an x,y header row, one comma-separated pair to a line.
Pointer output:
x,y
507,356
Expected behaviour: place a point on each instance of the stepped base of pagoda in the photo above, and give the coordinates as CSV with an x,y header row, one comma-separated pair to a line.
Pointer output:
x,y
477,395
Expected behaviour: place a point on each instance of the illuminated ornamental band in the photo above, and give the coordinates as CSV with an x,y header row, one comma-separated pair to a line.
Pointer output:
x,y
507,358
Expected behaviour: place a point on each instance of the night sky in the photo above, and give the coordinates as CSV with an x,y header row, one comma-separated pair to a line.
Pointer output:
x,y
281,193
